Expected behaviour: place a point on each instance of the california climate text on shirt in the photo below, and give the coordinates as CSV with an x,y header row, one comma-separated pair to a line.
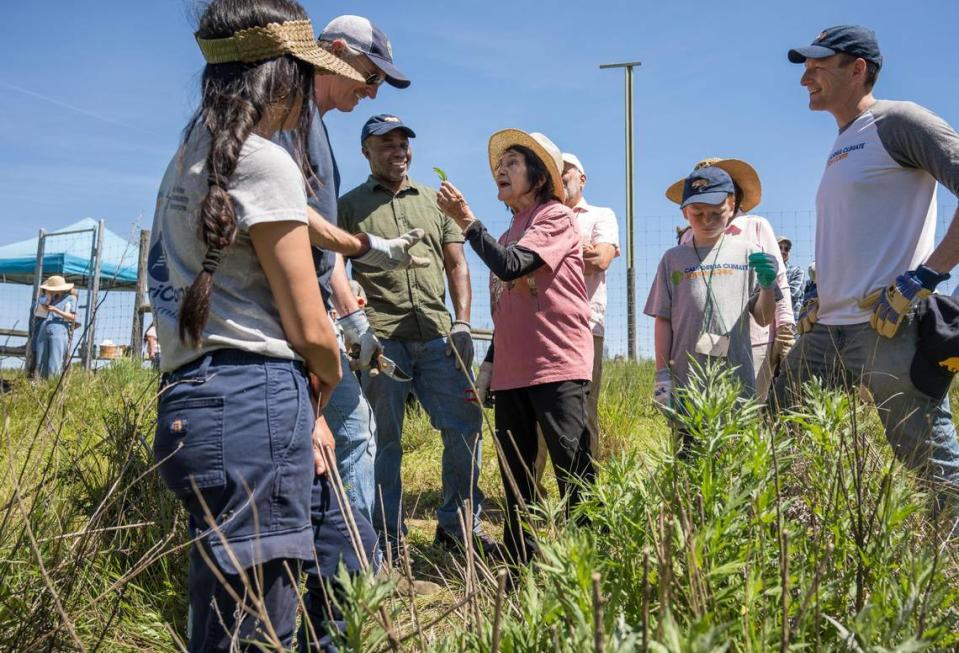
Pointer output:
x,y
709,290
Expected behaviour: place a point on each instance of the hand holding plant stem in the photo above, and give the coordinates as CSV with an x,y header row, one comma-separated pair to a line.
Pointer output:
x,y
451,202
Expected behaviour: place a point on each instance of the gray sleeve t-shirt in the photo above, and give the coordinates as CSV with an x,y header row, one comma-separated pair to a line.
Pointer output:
x,y
680,294
876,203
267,186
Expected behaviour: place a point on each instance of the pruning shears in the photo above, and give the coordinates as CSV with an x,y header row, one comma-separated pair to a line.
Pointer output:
x,y
382,364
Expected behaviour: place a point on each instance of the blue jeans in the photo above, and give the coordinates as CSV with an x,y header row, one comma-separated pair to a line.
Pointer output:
x,y
919,428
234,443
350,418
443,392
51,347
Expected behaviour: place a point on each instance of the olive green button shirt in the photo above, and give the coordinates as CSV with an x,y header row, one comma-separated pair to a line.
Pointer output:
x,y
402,304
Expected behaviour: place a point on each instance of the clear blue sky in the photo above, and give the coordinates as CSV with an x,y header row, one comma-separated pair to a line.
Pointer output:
x,y
93,97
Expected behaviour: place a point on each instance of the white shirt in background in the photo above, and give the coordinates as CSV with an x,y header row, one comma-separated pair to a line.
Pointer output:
x,y
597,224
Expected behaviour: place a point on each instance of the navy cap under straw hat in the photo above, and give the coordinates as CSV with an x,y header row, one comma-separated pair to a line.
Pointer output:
x,y
384,123
854,40
710,185
937,348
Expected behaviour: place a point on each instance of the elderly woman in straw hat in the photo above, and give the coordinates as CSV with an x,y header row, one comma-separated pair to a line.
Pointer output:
x,y
56,313
769,344
542,343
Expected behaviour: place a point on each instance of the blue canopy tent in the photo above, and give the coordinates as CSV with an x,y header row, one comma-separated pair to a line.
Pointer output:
x,y
72,258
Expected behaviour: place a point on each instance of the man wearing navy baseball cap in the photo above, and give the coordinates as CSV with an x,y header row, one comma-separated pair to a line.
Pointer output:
x,y
409,315
876,256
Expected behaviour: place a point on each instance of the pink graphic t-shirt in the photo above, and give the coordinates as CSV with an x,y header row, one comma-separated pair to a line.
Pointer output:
x,y
542,320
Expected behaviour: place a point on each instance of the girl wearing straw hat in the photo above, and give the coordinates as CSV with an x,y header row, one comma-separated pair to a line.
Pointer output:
x,y
705,293
770,344
56,313
542,342
240,321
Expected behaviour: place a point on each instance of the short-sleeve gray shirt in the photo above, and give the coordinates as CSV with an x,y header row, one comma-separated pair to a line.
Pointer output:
x,y
267,186
679,293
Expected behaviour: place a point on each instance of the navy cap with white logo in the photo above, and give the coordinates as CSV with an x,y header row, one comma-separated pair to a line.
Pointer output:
x,y
855,40
384,123
709,185
361,34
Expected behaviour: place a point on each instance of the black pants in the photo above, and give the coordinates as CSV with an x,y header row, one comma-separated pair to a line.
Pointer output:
x,y
560,410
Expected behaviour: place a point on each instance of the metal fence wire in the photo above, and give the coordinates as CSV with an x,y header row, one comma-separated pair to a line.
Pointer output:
x,y
114,309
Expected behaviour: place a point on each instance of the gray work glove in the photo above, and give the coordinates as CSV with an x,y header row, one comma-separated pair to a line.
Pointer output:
x,y
362,344
394,253
662,390
461,337
483,380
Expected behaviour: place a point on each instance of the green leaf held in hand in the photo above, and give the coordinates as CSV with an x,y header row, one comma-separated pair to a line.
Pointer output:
x,y
439,173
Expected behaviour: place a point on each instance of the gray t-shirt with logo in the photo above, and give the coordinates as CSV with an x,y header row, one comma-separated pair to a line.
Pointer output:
x,y
267,186
707,290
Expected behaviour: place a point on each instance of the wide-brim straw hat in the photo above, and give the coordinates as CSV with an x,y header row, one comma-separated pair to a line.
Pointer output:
x,y
293,37
743,174
544,149
56,283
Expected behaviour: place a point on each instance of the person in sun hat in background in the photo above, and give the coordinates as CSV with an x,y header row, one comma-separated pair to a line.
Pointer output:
x,y
876,257
769,343
408,313
541,358
55,312
707,290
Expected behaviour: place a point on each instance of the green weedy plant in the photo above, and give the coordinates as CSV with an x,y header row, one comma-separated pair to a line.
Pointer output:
x,y
794,533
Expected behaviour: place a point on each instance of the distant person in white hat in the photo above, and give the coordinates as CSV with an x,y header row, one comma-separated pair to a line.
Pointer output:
x,y
599,233
56,310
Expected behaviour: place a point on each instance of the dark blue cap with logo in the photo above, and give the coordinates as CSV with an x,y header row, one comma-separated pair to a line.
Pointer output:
x,y
384,123
361,34
709,185
855,40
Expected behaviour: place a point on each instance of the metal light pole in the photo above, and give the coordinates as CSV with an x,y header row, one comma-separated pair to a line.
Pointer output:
x,y
630,257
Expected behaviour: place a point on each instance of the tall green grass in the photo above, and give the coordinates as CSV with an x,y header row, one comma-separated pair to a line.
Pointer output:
x,y
798,535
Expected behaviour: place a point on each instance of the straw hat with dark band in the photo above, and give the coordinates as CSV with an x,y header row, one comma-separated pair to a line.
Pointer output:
x,y
56,283
545,150
743,174
294,37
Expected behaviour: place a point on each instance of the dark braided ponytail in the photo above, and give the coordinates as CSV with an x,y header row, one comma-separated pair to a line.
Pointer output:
x,y
236,97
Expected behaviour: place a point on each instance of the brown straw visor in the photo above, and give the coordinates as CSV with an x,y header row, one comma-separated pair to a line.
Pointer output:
x,y
294,37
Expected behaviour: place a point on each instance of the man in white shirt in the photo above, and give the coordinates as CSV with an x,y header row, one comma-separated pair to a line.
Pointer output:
x,y
600,237
876,257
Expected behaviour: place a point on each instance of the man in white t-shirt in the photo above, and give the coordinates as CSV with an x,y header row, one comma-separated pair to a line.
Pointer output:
x,y
876,258
600,238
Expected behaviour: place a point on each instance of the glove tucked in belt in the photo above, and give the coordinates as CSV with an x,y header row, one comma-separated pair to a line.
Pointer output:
x,y
891,305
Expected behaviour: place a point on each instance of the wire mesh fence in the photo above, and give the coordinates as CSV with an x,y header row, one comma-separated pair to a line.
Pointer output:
x,y
114,308
110,310
653,236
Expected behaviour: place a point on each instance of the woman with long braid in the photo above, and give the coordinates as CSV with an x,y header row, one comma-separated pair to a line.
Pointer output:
x,y
241,323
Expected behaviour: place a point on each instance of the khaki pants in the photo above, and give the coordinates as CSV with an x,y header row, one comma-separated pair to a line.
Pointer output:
x,y
592,414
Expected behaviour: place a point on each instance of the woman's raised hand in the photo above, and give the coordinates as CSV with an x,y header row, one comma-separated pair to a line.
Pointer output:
x,y
452,203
